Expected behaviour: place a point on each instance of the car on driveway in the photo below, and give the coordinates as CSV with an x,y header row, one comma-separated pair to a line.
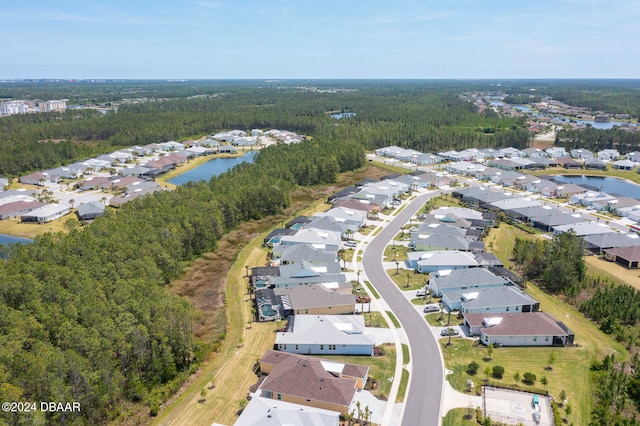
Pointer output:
x,y
449,332
430,309
350,244
421,293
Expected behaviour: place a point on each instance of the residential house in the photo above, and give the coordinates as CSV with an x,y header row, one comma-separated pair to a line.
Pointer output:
x,y
90,210
510,152
460,212
311,381
568,189
581,154
45,213
514,203
325,335
227,149
633,156
436,261
568,163
553,218
268,412
523,329
556,152
317,300
608,155
353,219
584,228
427,158
597,243
35,178
468,280
18,208
594,164
629,257
319,239
291,253
274,236
507,298
624,165
533,152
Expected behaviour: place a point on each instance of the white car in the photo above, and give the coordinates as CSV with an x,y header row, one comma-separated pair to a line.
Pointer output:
x,y
421,293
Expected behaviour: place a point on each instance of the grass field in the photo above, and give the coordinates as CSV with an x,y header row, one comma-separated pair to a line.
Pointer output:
x,y
571,368
404,277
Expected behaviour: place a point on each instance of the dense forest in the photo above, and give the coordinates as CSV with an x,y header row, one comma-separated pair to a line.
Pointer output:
x,y
599,139
85,316
422,115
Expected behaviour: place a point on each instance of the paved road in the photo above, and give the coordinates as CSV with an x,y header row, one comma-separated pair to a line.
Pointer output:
x,y
424,395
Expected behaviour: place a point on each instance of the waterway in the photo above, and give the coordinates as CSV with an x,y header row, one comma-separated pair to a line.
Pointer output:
x,y
213,167
8,239
610,185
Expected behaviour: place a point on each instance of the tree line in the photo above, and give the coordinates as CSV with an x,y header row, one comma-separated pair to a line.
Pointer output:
x,y
86,317
424,116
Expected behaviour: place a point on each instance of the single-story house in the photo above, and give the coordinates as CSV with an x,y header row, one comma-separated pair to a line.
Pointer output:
x,y
519,329
468,280
46,213
315,382
268,412
506,298
624,165
568,163
434,261
582,229
90,210
325,335
608,155
227,149
629,257
317,300
594,164
599,242
18,208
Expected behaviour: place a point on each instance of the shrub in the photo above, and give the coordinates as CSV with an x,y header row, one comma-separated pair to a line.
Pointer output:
x,y
472,368
498,371
529,378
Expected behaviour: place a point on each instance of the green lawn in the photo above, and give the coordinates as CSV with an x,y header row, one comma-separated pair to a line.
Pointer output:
x,y
404,277
375,319
400,253
382,368
571,369
393,319
455,417
372,291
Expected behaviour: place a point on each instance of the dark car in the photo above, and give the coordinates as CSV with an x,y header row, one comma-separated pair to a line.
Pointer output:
x,y
449,332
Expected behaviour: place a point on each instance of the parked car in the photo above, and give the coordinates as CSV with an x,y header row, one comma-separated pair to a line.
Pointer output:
x,y
421,293
350,244
430,309
449,332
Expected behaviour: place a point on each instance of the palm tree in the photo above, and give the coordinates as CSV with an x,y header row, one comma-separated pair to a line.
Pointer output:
x,y
72,202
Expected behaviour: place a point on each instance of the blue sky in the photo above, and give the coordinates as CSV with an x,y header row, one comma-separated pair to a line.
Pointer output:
x,y
213,39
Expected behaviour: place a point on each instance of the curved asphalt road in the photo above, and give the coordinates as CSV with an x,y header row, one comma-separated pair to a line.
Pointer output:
x,y
424,394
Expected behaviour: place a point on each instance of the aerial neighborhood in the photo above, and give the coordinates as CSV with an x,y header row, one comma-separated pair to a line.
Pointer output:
x,y
113,179
311,284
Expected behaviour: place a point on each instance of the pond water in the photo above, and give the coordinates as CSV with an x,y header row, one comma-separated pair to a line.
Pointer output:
x,y
213,167
8,239
610,185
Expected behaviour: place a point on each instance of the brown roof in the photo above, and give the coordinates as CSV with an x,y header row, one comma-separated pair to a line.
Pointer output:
x,y
306,377
523,324
628,253
18,206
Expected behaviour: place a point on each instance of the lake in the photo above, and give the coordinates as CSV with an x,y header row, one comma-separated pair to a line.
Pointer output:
x,y
8,239
610,185
213,167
